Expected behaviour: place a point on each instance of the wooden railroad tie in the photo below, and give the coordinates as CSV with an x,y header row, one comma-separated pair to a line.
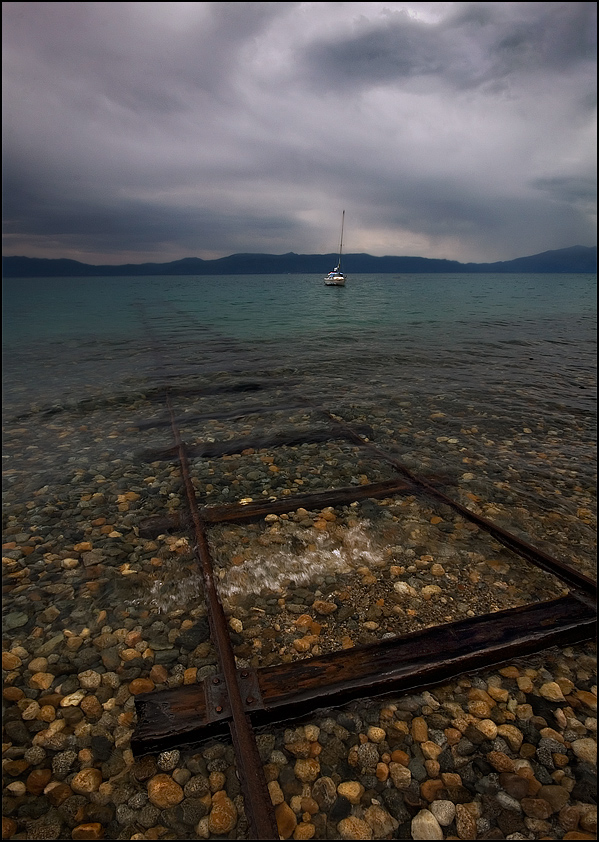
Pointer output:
x,y
151,527
196,712
239,699
211,450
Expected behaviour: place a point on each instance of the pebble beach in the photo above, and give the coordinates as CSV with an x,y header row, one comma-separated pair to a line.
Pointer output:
x,y
96,611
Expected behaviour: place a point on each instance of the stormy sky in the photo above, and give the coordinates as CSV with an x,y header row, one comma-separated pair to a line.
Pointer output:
x,y
139,132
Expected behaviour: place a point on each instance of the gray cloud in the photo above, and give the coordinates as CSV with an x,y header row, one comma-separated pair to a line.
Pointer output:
x,y
476,44
162,130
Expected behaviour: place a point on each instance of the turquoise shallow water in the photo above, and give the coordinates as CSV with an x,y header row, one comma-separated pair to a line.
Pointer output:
x,y
255,307
81,330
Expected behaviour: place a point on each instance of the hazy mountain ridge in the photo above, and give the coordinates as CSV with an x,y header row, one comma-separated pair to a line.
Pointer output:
x,y
573,259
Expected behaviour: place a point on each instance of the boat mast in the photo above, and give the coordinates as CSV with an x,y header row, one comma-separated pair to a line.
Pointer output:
x,y
341,241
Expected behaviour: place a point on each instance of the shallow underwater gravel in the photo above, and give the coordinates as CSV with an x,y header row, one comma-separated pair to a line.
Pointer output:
x,y
94,614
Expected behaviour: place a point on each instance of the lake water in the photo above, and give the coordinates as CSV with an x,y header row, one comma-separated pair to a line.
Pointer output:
x,y
448,328
484,383
489,379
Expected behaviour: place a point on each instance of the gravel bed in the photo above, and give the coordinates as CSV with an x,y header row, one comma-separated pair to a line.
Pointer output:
x,y
94,614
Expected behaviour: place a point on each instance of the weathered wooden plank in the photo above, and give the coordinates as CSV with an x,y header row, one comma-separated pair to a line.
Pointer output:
x,y
185,420
429,655
170,717
319,500
288,438
259,508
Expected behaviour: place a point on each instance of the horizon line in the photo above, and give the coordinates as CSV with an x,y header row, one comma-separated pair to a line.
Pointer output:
x,y
295,254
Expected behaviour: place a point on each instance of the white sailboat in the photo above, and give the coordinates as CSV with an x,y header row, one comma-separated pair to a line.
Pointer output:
x,y
336,278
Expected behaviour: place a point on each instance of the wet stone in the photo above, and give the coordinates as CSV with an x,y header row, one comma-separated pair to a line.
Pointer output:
x,y
508,802
164,792
536,808
88,830
101,747
340,809
148,815
62,763
368,757
443,811
70,807
144,768
168,760
354,828
394,802
586,750
47,827
286,820
509,823
514,785
324,792
425,826
37,780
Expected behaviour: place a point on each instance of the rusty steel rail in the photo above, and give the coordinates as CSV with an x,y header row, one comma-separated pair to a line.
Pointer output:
x,y
257,800
584,585
400,664
238,699
272,694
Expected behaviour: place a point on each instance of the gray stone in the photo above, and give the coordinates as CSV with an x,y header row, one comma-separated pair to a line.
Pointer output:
x,y
62,762
15,620
368,757
394,802
443,811
35,755
47,827
418,770
279,758
92,557
17,732
266,744
169,760
425,826
324,792
192,810
148,815
138,801
125,815
508,802
196,787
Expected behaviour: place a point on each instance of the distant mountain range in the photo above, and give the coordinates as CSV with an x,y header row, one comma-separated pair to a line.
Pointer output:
x,y
574,259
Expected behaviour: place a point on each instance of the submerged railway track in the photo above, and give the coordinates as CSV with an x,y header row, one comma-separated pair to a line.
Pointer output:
x,y
240,699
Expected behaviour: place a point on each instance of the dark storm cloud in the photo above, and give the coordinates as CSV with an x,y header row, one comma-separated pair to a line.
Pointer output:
x,y
571,190
154,131
478,43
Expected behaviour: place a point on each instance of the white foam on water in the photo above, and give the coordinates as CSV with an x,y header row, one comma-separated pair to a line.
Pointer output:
x,y
274,572
186,592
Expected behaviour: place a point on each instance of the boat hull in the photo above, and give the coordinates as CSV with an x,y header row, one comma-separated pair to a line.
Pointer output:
x,y
335,281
